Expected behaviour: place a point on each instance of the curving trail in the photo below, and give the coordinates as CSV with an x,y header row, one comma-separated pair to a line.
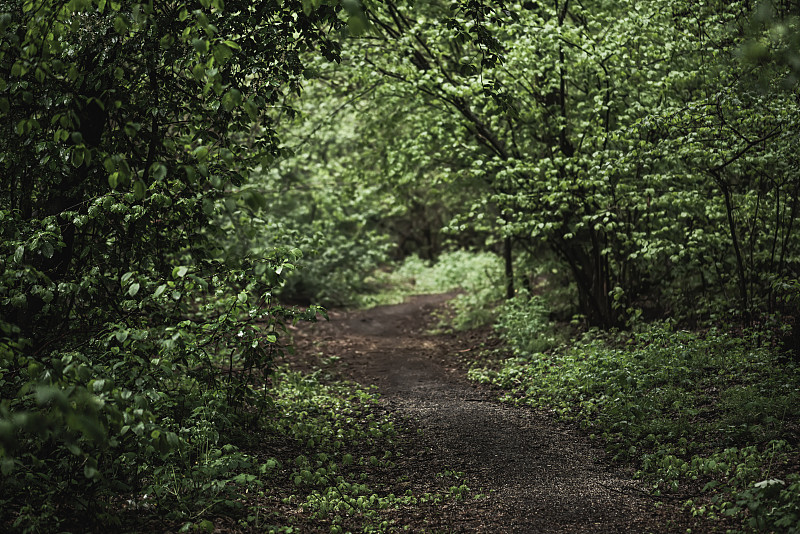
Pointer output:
x,y
538,475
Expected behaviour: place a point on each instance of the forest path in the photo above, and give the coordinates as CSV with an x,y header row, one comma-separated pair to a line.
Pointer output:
x,y
537,475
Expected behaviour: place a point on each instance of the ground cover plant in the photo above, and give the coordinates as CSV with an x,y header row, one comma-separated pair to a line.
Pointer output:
x,y
708,417
315,461
322,462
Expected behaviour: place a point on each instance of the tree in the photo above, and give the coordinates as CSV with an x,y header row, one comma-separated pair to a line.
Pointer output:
x,y
126,125
562,112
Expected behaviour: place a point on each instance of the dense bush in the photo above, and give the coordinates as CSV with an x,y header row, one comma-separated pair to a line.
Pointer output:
x,y
524,325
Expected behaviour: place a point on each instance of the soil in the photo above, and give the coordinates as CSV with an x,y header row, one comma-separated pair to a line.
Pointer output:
x,y
535,474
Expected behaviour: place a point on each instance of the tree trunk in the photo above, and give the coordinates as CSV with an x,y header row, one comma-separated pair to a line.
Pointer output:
x,y
740,268
509,264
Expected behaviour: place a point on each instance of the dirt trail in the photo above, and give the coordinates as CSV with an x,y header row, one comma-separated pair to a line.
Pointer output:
x,y
538,476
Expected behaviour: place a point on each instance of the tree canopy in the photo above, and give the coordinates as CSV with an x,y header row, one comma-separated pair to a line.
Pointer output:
x,y
640,145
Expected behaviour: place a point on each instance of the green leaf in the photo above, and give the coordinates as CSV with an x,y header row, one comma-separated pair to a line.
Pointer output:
x,y
190,172
133,289
121,25
167,41
47,250
232,99
199,72
19,253
357,25
236,96
208,207
173,440
230,205
159,290
159,171
353,7
139,189
251,108
90,471
132,129
222,53
200,45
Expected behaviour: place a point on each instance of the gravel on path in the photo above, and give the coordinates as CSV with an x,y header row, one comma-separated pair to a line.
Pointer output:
x,y
537,475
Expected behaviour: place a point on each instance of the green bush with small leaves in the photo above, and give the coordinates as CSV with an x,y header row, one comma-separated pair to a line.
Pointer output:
x,y
712,408
524,325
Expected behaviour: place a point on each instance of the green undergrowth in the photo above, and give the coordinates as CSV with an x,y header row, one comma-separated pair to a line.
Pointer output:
x,y
320,458
323,462
477,274
332,465
523,323
710,416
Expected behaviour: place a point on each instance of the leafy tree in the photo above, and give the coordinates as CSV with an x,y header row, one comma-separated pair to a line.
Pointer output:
x,y
598,130
320,199
122,309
